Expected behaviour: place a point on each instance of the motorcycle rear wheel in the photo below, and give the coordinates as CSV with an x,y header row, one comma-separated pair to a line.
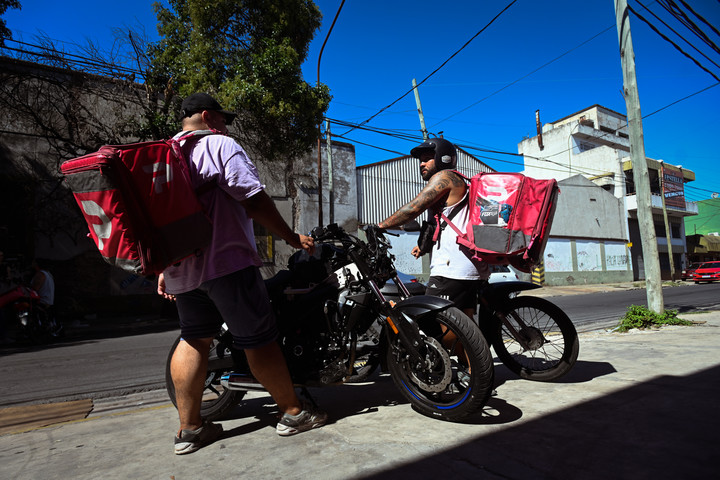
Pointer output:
x,y
435,389
551,335
217,400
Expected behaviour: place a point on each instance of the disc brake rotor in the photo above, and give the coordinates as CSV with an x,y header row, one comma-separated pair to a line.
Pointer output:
x,y
437,371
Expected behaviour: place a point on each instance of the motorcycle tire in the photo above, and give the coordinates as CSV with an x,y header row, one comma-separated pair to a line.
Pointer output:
x,y
553,340
217,400
444,388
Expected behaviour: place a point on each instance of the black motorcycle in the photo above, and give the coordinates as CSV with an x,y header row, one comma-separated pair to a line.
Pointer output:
x,y
326,303
531,336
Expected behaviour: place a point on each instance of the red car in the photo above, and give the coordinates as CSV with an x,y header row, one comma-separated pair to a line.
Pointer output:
x,y
707,272
687,274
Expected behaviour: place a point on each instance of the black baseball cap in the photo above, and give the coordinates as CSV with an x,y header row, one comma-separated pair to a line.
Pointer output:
x,y
198,102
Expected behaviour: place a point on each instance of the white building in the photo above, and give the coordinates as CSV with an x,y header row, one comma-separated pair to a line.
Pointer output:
x,y
594,143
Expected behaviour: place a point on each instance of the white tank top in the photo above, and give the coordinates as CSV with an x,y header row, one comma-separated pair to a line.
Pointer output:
x,y
451,260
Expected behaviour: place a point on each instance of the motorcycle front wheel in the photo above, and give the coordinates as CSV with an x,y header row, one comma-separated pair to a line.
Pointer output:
x,y
217,400
455,379
540,343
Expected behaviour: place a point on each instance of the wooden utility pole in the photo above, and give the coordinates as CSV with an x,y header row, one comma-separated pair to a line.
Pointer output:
x,y
651,261
420,112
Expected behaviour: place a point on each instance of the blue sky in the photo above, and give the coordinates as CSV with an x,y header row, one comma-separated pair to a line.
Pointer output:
x,y
486,95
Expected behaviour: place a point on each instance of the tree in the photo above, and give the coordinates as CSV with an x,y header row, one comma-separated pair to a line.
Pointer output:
x,y
250,60
4,31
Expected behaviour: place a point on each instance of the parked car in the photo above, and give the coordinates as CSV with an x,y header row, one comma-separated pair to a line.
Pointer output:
x,y
687,273
707,272
502,273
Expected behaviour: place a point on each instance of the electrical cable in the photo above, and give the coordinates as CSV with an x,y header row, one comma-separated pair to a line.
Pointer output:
x,y
438,68
676,33
701,18
673,9
524,76
664,37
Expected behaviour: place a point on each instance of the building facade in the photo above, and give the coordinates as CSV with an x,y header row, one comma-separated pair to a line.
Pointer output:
x,y
703,232
594,143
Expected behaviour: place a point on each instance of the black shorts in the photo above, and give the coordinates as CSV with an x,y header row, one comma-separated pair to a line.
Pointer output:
x,y
463,293
239,299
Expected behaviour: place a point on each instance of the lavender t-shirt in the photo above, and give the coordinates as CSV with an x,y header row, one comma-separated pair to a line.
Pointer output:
x,y
219,158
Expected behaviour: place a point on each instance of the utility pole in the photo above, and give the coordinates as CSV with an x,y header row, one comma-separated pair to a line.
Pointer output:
x,y
668,235
331,191
420,112
651,261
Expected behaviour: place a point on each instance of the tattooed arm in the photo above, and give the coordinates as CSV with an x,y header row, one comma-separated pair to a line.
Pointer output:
x,y
440,187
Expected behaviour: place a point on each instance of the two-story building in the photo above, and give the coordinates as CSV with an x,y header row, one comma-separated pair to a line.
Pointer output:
x,y
594,143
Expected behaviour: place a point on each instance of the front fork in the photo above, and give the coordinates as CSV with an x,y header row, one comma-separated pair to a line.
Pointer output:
x,y
401,320
504,321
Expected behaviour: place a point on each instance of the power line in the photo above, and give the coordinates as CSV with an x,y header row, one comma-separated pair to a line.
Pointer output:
x,y
524,76
676,33
52,53
664,37
673,9
438,68
701,18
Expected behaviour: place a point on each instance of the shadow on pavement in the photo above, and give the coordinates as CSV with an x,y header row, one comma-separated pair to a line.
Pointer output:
x,y
665,428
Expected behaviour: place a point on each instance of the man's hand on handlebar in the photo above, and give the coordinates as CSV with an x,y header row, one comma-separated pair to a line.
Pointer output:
x,y
305,242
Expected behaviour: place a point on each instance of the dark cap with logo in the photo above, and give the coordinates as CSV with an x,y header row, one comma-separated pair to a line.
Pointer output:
x,y
198,102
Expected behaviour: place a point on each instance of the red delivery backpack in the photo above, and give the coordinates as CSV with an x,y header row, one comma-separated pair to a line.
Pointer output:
x,y
510,218
139,203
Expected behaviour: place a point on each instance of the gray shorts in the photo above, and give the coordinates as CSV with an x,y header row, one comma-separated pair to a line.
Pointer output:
x,y
239,299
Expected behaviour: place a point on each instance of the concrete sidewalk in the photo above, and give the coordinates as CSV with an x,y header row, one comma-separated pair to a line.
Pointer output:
x,y
640,405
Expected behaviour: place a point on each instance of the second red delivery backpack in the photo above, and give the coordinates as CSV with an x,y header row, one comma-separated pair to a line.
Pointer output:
x,y
510,218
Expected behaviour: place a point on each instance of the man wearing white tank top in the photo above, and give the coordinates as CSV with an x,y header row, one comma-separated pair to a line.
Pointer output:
x,y
454,273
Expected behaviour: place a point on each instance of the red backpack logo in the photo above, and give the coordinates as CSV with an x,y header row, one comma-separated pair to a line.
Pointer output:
x,y
509,219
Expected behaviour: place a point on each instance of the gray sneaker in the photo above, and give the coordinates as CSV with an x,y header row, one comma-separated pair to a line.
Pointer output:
x,y
190,440
308,419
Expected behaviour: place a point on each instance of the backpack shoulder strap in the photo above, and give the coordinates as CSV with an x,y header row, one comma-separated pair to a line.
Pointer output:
x,y
177,149
447,219
457,172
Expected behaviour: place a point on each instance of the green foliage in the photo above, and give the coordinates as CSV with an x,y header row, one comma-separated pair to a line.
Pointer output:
x,y
641,317
4,31
248,54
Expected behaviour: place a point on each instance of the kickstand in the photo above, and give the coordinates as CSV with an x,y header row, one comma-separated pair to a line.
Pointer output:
x,y
305,393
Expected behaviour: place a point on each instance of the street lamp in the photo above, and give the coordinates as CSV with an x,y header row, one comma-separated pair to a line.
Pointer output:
x,y
319,159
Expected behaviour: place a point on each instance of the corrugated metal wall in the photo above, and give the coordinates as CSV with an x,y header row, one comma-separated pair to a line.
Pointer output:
x,y
386,186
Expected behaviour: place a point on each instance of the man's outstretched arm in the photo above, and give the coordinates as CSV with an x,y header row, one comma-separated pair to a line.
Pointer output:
x,y
437,189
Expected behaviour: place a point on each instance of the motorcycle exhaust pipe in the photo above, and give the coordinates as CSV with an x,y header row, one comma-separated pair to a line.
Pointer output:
x,y
240,381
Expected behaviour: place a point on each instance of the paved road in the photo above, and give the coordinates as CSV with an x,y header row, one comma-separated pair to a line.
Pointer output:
x,y
602,309
85,369
99,367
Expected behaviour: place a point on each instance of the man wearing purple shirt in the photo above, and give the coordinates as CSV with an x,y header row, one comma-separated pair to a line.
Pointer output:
x,y
223,284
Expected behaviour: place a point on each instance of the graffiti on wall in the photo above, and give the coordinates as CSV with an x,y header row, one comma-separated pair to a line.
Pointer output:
x,y
589,257
558,256
616,256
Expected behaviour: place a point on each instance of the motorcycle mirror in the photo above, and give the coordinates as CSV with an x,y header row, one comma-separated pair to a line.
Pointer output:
x,y
411,226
